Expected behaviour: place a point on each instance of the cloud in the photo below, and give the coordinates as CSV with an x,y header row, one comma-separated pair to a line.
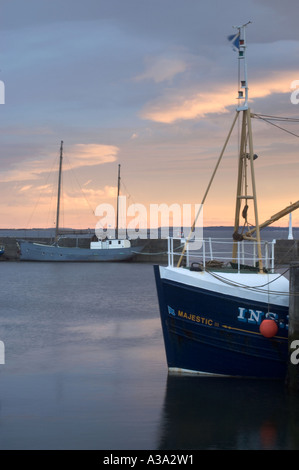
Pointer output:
x,y
179,104
92,154
25,188
75,200
160,69
79,155
154,85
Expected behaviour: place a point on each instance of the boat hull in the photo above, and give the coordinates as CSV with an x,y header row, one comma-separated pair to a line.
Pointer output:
x,y
30,251
208,329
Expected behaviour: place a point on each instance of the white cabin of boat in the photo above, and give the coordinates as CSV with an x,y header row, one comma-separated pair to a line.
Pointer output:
x,y
109,244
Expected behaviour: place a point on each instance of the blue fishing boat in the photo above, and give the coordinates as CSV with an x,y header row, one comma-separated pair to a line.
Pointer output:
x,y
212,321
226,314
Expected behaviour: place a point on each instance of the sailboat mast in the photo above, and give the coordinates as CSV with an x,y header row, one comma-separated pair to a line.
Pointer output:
x,y
59,190
117,206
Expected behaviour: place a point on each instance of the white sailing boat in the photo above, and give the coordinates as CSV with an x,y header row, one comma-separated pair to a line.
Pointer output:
x,y
99,250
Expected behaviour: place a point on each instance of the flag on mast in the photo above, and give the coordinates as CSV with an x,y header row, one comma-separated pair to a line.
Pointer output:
x,y
234,39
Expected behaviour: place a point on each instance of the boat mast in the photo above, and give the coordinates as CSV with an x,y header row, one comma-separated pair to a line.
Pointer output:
x,y
117,211
246,155
59,191
246,159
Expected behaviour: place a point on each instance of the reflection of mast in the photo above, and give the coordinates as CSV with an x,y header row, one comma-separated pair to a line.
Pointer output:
x,y
117,212
59,191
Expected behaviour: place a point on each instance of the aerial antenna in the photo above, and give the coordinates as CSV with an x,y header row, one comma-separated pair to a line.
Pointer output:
x,y
240,44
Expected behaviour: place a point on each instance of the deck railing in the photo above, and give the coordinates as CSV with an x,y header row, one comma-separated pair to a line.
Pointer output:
x,y
211,252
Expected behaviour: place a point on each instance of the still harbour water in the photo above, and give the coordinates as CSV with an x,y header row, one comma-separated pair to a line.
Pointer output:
x,y
85,368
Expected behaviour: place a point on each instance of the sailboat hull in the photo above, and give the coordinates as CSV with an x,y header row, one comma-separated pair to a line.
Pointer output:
x,y
212,328
31,251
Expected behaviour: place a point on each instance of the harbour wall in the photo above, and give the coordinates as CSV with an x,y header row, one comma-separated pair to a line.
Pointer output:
x,y
153,251
286,251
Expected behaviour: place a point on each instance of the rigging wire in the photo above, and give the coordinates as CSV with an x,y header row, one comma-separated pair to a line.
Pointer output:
x,y
77,181
275,118
130,197
41,192
258,288
255,288
269,119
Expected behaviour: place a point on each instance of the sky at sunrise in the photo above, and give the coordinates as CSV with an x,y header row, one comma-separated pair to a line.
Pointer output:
x,y
150,85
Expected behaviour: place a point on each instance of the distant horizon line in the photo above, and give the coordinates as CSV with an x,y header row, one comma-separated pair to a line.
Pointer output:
x,y
148,228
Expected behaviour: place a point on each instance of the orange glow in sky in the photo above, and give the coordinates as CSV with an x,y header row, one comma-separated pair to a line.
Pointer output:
x,y
123,87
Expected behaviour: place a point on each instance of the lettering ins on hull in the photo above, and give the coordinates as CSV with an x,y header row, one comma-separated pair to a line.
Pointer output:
x,y
243,315
251,316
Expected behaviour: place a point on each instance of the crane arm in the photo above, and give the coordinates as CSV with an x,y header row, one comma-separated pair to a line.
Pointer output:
x,y
275,217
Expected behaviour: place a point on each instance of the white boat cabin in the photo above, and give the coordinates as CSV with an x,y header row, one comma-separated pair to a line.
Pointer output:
x,y
109,244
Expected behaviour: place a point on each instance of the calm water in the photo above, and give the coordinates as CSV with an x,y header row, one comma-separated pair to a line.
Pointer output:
x,y
85,369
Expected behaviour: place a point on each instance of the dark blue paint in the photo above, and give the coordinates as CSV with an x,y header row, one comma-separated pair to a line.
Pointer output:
x,y
209,338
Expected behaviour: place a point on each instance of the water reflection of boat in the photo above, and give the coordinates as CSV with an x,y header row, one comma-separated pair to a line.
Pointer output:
x,y
228,316
206,413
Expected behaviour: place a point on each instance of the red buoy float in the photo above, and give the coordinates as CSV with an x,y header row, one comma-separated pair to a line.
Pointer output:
x,y
268,328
